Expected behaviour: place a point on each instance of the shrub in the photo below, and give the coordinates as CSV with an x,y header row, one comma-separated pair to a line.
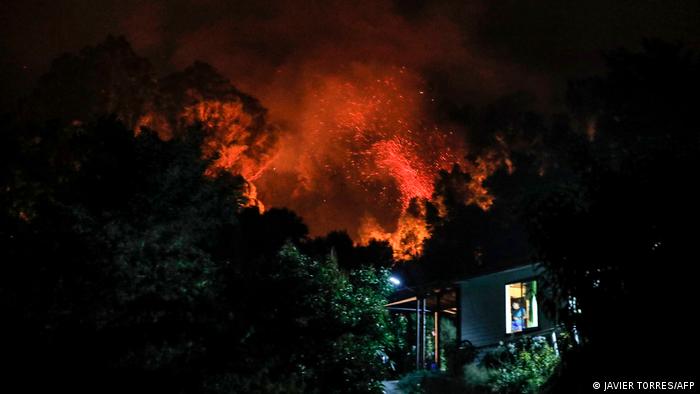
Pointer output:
x,y
427,382
458,355
521,366
478,377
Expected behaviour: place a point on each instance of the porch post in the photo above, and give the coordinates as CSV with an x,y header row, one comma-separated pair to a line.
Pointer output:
x,y
418,330
423,334
436,318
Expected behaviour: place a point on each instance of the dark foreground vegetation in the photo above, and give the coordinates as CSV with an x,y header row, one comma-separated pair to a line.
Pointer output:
x,y
124,268
520,366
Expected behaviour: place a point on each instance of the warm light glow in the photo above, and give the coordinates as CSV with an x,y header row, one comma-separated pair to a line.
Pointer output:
x,y
361,154
521,306
399,302
364,157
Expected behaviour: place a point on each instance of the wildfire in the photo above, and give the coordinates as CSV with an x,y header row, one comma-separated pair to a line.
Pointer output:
x,y
399,160
352,147
411,231
359,156
236,136
366,155
229,134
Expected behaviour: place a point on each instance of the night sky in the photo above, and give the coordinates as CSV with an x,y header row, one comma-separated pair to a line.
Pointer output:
x,y
469,50
360,97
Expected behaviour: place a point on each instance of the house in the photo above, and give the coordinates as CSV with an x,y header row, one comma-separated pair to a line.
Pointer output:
x,y
486,308
497,306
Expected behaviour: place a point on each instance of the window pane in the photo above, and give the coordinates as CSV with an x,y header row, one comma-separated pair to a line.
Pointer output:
x,y
521,306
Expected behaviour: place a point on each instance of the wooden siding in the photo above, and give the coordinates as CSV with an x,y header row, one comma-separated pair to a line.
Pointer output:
x,y
482,306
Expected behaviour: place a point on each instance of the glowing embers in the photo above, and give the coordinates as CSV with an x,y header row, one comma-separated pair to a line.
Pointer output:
x,y
366,133
358,152
407,240
397,156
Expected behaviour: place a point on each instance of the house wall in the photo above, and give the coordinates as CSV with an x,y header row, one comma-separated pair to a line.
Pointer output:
x,y
482,306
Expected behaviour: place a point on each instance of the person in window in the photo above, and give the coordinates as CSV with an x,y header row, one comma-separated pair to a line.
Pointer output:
x,y
517,315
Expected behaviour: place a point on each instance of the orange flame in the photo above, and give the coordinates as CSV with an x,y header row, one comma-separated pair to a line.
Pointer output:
x,y
359,155
364,133
229,138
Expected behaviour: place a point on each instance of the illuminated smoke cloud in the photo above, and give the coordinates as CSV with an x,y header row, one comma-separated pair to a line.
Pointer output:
x,y
367,158
352,90
351,93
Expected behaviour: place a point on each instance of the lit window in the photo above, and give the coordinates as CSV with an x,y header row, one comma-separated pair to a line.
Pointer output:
x,y
521,306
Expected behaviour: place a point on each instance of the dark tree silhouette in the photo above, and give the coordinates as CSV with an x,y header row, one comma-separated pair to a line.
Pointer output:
x,y
615,234
106,263
126,268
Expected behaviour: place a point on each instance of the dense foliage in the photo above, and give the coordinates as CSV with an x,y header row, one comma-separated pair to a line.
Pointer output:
x,y
612,230
427,382
520,366
125,268
604,198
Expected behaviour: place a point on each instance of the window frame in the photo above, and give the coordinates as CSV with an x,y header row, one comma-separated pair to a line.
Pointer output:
x,y
507,306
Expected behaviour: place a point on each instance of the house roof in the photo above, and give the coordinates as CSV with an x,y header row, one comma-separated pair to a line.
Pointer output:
x,y
405,296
